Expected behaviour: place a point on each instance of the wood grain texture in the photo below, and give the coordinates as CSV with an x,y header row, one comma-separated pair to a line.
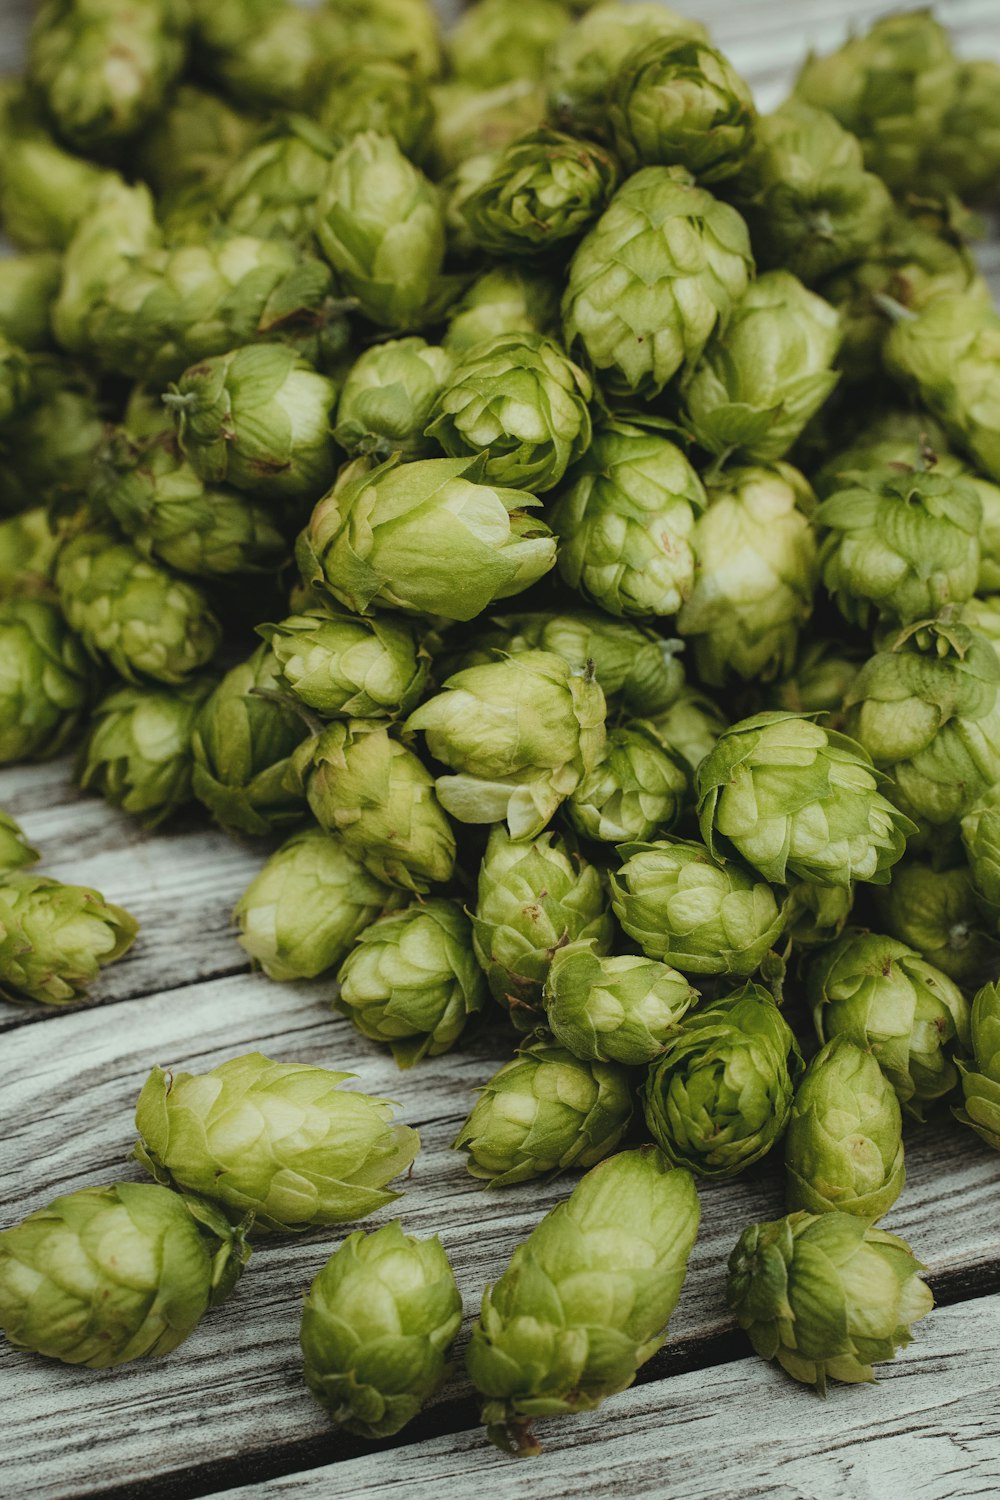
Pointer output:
x,y
68,1091
929,1430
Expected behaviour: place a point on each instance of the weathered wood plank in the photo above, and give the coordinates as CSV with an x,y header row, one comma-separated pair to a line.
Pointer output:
x,y
930,1430
68,1093
181,885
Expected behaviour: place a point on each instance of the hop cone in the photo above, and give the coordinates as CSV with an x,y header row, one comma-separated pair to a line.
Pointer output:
x,y
843,1145
545,190
366,90
937,913
635,788
137,753
27,552
300,915
109,1274
883,997
341,665
719,1096
15,851
270,188
412,980
377,1325
389,397
279,1141
507,298
46,681
825,1295
691,725
793,798
981,1074
621,1010
534,897
55,938
586,1298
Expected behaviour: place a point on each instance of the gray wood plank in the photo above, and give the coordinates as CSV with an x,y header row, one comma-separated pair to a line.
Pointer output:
x,y
929,1430
68,1093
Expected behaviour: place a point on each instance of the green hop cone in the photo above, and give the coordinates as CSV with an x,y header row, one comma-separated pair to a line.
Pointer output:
x,y
365,91
981,838
822,676
369,788
105,68
844,1143
377,1326
520,402
49,452
981,1074
168,512
534,897
346,667
380,225
473,543
660,271
899,541
267,54
137,753
193,140
677,102
55,938
412,980
300,915
143,620
586,1298
389,397
758,384
964,156
796,799
818,913
257,418
892,88
507,299
586,59
470,121
825,1295
636,787
719,1096
518,735
621,1010
46,681
114,1273
544,1112
270,189
755,575
15,381
28,287
882,996
119,227
947,355
405,30
691,725
15,851
498,40
542,193
45,192
625,518
699,912
927,711
912,439
937,913
242,742
806,196
280,1141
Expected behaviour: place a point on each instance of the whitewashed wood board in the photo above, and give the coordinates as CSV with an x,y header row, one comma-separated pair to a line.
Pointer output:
x,y
229,1407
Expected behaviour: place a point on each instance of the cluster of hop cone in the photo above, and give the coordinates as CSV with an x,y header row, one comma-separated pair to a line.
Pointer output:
x,y
333,336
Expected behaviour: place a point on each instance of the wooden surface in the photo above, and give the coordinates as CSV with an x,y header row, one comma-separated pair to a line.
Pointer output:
x,y
228,1411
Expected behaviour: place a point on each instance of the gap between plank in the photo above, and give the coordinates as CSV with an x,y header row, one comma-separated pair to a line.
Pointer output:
x,y
963,1284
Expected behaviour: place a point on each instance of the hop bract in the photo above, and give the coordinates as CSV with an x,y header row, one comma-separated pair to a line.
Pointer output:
x,y
55,938
279,1141
366,786
522,404
825,1295
300,915
719,1096
534,896
843,1146
701,913
412,980
613,1009
15,851
586,1298
981,1074
109,1274
341,665
884,997
794,798
518,734
377,1326
475,543
625,519
637,329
